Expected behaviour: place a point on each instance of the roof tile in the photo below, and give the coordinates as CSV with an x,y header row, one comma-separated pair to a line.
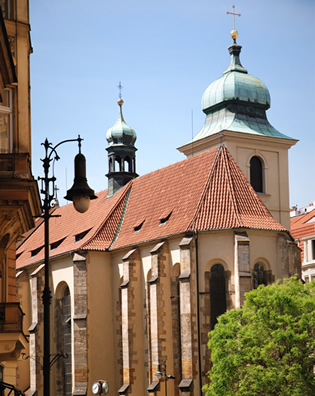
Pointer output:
x,y
204,192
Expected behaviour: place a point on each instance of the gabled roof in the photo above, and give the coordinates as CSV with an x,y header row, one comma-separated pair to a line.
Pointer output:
x,y
229,200
304,225
205,192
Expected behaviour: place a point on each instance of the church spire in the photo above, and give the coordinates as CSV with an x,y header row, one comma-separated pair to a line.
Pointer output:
x,y
121,152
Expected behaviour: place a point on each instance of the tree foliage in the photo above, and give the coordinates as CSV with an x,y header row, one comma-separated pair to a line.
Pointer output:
x,y
268,346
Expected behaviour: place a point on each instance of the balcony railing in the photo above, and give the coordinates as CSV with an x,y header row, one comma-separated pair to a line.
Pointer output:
x,y
11,318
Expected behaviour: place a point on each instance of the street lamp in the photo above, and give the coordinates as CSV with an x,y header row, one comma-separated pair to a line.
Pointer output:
x,y
81,194
159,375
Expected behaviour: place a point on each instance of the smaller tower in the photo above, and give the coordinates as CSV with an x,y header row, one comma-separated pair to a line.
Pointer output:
x,y
121,153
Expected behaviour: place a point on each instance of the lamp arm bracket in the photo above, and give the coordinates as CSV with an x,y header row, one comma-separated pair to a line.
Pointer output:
x,y
53,148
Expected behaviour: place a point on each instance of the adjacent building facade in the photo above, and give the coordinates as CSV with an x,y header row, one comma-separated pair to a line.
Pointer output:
x,y
141,278
19,197
303,230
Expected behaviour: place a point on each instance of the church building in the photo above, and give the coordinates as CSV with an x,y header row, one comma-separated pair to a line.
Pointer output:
x,y
140,279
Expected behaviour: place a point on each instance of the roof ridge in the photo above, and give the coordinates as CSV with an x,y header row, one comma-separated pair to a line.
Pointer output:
x,y
122,218
236,210
214,164
125,192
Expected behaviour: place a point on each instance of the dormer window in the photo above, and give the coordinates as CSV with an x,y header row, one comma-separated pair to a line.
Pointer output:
x,y
18,255
164,219
54,245
80,236
36,251
138,226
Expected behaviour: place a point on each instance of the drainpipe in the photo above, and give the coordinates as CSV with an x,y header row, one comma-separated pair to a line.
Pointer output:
x,y
198,312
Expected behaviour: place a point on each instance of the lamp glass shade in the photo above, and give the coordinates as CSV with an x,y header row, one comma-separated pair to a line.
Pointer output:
x,y
81,203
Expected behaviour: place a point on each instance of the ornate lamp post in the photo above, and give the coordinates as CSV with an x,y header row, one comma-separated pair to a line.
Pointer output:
x,y
159,375
81,194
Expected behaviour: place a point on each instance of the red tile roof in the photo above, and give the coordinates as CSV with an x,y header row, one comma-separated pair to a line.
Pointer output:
x,y
204,192
229,201
304,225
70,223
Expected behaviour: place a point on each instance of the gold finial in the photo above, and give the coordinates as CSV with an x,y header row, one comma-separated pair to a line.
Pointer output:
x,y
120,101
234,33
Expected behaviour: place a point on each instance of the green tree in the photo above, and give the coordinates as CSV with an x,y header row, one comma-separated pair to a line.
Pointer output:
x,y
268,346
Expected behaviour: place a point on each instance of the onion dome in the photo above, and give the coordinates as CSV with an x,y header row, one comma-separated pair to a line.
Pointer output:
x,y
121,133
236,85
236,102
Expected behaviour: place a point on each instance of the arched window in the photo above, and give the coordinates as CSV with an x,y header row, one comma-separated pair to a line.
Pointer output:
x,y
217,293
256,174
118,162
259,275
111,165
127,164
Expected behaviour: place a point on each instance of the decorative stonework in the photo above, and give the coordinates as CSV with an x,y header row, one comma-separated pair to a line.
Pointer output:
x,y
131,318
187,317
157,285
80,325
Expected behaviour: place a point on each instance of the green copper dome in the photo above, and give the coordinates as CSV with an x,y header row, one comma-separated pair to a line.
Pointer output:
x,y
235,85
237,102
121,133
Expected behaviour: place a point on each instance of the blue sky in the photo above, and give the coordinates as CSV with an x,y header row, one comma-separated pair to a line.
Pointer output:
x,y
166,54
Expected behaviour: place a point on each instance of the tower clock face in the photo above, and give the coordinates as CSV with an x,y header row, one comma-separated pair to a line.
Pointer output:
x,y
105,387
96,387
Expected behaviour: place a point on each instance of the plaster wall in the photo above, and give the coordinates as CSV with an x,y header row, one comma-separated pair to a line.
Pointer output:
x,y
62,271
219,249
101,315
275,174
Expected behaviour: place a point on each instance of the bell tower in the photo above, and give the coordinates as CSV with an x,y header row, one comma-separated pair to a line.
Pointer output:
x,y
121,153
235,106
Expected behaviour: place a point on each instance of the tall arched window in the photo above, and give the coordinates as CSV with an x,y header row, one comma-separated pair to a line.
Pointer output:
x,y
118,162
217,293
259,275
127,165
256,174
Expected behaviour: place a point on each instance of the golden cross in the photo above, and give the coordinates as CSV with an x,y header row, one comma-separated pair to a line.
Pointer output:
x,y
233,13
120,87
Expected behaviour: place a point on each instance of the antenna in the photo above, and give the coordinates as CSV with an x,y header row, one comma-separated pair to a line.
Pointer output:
x,y
56,189
192,132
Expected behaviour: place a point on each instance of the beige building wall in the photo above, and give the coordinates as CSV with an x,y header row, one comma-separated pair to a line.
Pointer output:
x,y
133,308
